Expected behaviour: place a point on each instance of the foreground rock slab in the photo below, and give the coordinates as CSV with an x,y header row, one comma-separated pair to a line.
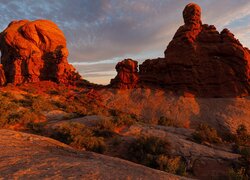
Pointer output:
x,y
30,156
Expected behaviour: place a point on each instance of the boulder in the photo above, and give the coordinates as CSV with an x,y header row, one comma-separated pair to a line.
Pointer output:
x,y
34,51
201,61
127,74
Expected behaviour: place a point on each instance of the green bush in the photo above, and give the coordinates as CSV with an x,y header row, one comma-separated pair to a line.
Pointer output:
x,y
154,152
205,133
79,136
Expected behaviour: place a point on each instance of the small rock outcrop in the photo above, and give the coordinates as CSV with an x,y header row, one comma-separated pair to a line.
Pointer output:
x,y
201,61
34,51
127,74
2,76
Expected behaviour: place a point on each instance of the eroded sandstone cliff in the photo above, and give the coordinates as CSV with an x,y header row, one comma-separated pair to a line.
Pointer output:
x,y
200,61
34,51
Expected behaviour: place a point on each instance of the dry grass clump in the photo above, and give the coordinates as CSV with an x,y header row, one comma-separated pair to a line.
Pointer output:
x,y
165,121
205,133
13,112
79,136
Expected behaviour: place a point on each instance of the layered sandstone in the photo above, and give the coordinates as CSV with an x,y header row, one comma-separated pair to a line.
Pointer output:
x,y
34,51
2,76
127,74
201,61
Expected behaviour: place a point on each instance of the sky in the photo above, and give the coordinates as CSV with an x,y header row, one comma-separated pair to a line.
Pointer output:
x,y
101,33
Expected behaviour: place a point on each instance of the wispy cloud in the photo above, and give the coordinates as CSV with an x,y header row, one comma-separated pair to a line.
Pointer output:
x,y
101,32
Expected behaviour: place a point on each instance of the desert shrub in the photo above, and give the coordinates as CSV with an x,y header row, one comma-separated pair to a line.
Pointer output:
x,y
36,127
40,104
164,121
242,136
106,123
71,106
146,150
154,152
13,111
22,117
205,133
14,117
105,128
238,174
245,152
35,103
173,165
241,146
124,120
59,105
79,136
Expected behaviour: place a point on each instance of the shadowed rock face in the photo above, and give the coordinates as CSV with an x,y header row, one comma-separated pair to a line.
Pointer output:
x,y
33,51
201,61
127,74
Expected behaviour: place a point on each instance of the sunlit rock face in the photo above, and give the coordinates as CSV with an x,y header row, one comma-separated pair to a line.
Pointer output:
x,y
200,60
127,74
2,76
33,51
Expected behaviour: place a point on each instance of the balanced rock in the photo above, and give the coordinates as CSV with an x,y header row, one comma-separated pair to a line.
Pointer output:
x,y
127,74
201,61
34,51
2,76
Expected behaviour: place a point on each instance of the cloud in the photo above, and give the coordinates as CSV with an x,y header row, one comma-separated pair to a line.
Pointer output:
x,y
101,32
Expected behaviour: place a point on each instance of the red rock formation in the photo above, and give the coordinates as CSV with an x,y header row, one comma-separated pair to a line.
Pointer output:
x,y
2,76
33,51
200,60
127,74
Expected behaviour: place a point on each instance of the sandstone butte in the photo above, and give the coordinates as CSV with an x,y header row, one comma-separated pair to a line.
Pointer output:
x,y
34,51
127,76
199,60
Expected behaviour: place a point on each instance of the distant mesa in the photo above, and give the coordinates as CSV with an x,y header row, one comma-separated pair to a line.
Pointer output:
x,y
34,51
200,60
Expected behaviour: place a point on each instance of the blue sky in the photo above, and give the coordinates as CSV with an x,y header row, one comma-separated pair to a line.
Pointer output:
x,y
102,32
